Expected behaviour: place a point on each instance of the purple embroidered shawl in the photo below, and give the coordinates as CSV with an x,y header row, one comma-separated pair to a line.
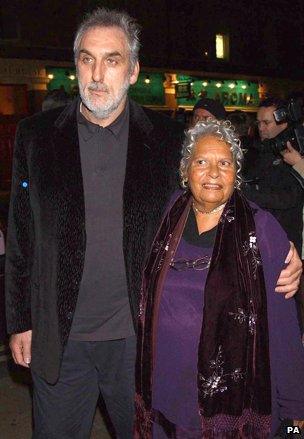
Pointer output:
x,y
233,379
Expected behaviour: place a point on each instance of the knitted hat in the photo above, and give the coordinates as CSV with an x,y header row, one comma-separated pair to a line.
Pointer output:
x,y
214,107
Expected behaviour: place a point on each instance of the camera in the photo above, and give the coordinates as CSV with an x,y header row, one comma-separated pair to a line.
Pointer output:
x,y
293,114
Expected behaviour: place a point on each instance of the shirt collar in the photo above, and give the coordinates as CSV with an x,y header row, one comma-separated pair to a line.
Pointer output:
x,y
89,129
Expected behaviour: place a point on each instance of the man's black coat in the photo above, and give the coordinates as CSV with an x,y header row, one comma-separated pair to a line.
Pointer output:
x,y
46,235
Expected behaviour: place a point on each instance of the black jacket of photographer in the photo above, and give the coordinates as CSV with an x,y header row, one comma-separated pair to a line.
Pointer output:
x,y
270,183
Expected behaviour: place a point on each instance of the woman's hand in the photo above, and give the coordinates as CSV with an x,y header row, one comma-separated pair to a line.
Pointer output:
x,y
289,279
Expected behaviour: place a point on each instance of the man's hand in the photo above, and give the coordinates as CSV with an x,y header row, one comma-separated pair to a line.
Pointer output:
x,y
291,155
289,279
21,347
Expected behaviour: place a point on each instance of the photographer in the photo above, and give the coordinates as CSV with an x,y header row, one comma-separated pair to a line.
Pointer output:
x,y
268,180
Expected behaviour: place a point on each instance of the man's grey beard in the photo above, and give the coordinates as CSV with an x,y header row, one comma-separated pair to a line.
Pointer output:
x,y
105,110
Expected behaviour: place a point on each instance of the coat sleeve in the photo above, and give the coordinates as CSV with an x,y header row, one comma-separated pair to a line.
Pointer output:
x,y
285,194
20,243
285,347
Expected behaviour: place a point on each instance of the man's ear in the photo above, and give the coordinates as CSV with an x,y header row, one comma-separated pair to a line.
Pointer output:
x,y
134,74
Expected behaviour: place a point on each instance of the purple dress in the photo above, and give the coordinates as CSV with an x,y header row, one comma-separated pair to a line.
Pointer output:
x,y
179,326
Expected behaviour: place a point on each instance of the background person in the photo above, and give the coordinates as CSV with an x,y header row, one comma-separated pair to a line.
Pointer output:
x,y
294,158
219,354
244,126
270,183
55,98
207,107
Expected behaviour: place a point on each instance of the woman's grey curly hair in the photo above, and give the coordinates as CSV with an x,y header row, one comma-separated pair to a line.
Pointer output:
x,y
218,128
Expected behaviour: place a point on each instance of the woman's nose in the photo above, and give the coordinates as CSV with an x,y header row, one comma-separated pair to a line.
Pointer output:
x,y
213,171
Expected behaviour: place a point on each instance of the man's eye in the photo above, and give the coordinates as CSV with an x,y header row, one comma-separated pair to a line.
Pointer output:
x,y
87,59
201,162
112,61
225,163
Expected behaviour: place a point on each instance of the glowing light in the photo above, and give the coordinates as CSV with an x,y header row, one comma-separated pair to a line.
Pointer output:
x,y
147,80
218,84
50,76
206,53
219,46
72,77
204,84
244,87
24,184
231,85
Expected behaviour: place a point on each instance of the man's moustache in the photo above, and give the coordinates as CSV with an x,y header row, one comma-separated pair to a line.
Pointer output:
x,y
95,86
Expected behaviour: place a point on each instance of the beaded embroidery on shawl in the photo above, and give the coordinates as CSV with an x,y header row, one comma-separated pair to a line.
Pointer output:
x,y
241,317
157,247
228,215
250,247
217,381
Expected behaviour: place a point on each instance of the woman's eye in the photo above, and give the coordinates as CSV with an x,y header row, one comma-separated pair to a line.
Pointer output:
x,y
225,163
201,162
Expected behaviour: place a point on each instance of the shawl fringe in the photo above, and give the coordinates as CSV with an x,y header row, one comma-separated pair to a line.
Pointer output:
x,y
143,420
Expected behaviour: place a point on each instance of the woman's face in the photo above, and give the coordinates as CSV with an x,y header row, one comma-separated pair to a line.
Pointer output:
x,y
211,172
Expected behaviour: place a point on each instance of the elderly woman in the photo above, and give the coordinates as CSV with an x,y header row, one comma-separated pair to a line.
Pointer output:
x,y
219,354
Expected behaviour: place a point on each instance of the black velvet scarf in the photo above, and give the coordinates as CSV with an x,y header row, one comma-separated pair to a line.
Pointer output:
x,y
233,379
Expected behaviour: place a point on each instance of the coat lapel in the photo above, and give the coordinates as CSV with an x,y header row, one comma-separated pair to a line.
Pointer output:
x,y
68,163
137,194
71,212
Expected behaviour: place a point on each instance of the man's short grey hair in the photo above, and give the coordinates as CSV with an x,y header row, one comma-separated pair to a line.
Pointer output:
x,y
103,17
211,127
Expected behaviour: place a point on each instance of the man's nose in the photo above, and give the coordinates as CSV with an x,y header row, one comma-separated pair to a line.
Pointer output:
x,y
98,72
262,127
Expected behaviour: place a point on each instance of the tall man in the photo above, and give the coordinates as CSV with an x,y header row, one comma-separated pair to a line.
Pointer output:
x,y
89,186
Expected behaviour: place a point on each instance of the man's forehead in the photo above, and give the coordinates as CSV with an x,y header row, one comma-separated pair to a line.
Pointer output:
x,y
266,113
104,35
202,112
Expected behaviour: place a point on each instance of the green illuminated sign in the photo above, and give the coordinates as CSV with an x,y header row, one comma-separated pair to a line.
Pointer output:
x,y
230,93
62,78
149,89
